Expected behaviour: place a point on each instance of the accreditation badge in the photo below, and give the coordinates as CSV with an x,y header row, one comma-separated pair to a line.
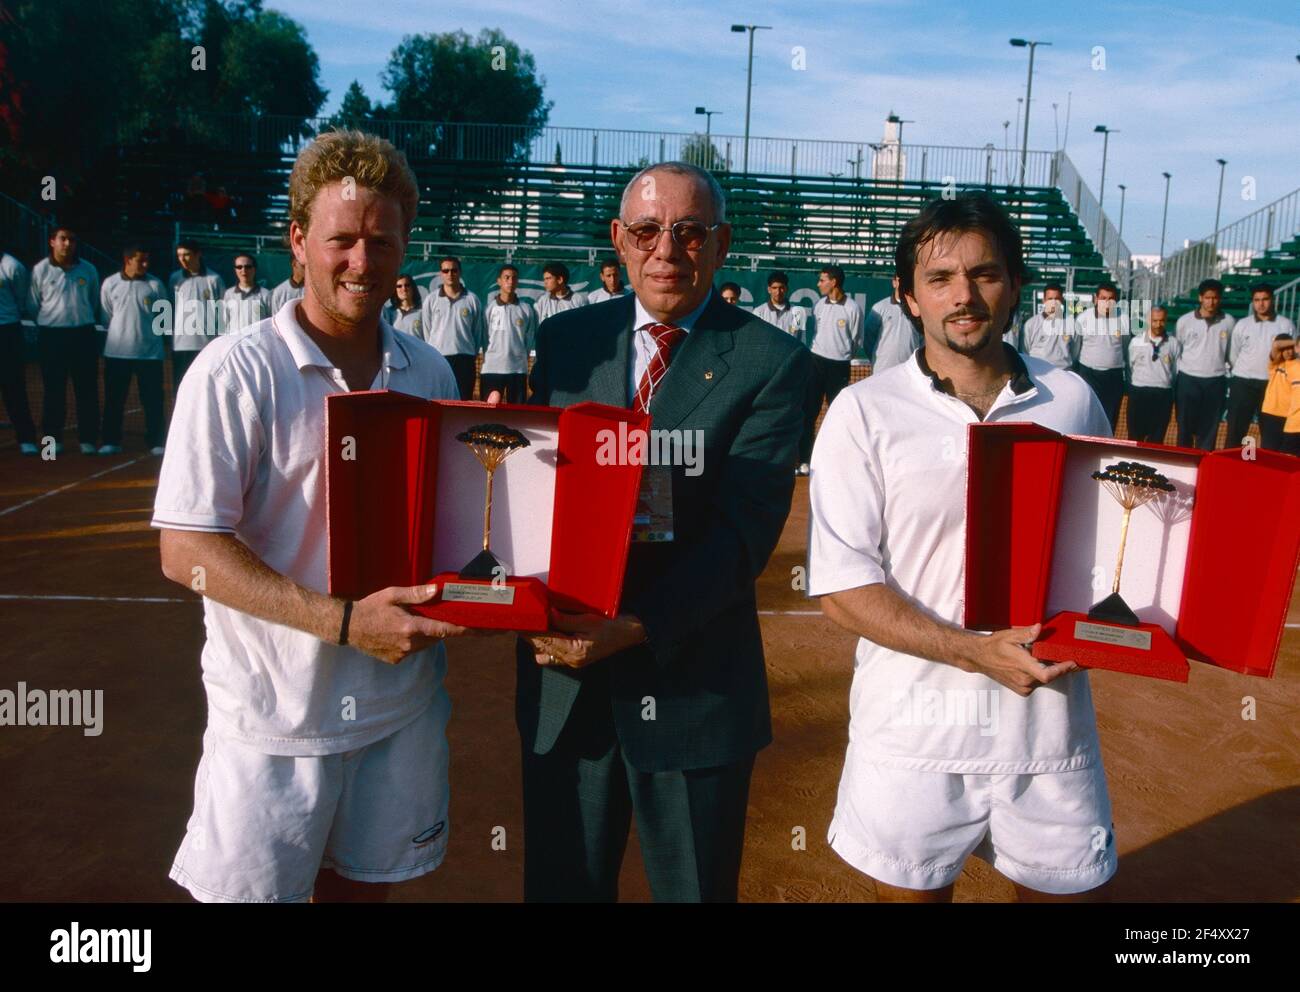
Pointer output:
x,y
653,520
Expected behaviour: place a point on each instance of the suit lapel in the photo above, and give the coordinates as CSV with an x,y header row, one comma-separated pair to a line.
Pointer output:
x,y
696,370
609,380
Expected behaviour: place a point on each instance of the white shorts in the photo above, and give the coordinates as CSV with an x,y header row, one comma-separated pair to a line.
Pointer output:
x,y
1051,831
264,825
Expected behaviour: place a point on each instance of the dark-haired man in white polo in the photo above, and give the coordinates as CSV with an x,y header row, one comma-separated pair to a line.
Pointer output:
x,y
1010,766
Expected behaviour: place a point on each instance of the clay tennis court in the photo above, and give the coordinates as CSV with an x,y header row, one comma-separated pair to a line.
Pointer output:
x,y
1206,803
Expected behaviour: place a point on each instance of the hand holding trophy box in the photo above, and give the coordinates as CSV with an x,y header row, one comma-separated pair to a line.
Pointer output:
x,y
1204,544
509,517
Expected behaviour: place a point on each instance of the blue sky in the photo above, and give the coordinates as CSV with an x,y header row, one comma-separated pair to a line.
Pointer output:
x,y
1183,83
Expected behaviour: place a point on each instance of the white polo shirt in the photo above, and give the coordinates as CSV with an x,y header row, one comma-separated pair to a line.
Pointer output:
x,y
64,297
837,328
1151,368
602,294
454,327
243,308
14,290
1251,342
285,292
128,306
1053,339
511,328
888,504
789,318
1205,344
197,313
245,456
898,339
411,321
549,306
1102,340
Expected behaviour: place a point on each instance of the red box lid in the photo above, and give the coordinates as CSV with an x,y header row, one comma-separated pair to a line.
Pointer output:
x,y
1244,543
381,489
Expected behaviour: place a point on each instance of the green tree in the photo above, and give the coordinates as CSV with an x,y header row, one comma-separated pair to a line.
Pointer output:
x,y
701,151
453,77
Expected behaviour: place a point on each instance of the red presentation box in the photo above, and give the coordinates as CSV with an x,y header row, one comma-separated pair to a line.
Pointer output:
x,y
1208,570
406,500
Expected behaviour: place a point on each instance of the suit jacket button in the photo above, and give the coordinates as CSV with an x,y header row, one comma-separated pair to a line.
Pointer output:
x,y
708,374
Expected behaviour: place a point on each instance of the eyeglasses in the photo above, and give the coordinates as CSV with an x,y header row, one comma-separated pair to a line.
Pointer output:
x,y
689,235
447,272
245,266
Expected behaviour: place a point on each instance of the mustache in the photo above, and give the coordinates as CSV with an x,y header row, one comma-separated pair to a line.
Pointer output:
x,y
967,314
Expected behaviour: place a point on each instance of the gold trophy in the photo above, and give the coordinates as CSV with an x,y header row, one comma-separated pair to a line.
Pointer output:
x,y
1132,484
492,444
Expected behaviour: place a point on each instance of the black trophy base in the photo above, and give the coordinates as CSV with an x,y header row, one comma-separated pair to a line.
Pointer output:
x,y
483,566
1113,609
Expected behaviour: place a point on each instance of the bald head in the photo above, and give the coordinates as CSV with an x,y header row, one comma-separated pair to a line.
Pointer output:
x,y
643,186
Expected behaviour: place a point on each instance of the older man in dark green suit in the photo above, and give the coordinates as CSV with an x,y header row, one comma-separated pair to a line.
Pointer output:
x,y
659,712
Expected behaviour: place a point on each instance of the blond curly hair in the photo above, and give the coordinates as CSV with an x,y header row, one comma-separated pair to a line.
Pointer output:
x,y
369,160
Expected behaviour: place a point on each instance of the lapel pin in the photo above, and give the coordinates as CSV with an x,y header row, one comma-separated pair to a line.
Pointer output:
x,y
708,374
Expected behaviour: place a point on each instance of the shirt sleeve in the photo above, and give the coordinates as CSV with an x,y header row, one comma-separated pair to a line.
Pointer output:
x,y
847,496
34,293
106,300
213,449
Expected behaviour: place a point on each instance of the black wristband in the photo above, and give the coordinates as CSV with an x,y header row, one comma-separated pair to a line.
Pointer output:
x,y
343,627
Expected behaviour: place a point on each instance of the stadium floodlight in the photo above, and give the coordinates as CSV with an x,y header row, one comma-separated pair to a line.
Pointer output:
x,y
1101,194
1218,208
1163,221
708,120
1029,90
749,79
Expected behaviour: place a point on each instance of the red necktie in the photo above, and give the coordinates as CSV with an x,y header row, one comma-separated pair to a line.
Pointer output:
x,y
666,339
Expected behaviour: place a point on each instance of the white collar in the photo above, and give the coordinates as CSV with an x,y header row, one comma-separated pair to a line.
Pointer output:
x,y
642,319
306,352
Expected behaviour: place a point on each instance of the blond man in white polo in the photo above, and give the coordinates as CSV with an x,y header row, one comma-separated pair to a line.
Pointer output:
x,y
324,768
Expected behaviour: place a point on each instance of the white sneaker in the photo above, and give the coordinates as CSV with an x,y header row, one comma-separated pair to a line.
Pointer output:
x,y
27,448
109,449
156,451
86,449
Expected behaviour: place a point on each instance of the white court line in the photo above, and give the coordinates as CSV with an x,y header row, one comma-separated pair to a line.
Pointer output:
x,y
70,485
99,599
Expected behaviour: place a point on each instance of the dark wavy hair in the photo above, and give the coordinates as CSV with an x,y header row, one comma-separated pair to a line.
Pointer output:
x,y
970,211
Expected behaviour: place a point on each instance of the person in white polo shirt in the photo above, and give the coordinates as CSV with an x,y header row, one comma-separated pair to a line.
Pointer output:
x,y
291,289
557,297
1153,366
324,767
837,332
611,278
1103,340
247,301
64,300
130,299
405,311
511,328
896,338
196,308
1021,783
777,309
452,321
14,289
1052,335
1248,354
1203,369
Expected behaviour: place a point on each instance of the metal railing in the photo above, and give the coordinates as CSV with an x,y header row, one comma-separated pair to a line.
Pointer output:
x,y
612,149
25,234
1234,247
1286,300
1118,258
